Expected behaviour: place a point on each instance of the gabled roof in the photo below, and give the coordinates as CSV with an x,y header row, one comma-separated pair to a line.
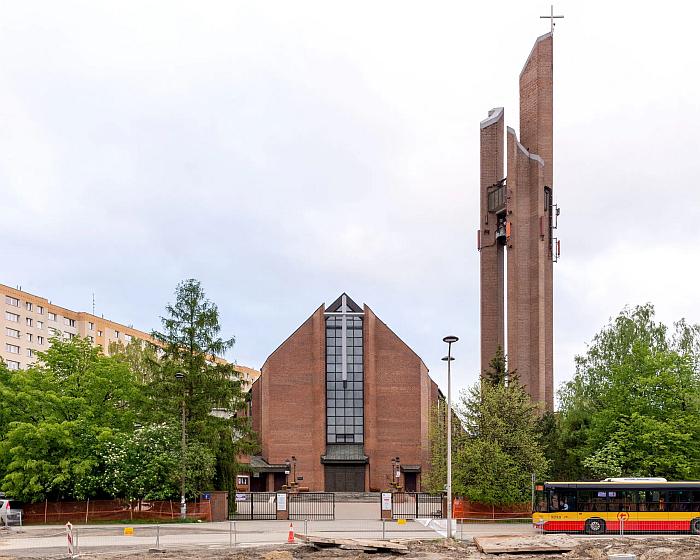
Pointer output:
x,y
337,304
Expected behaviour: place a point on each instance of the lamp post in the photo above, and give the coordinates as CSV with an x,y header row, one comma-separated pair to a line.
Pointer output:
x,y
393,471
287,464
183,507
398,472
449,340
294,460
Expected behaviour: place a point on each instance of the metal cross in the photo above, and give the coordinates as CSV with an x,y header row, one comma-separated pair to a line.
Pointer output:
x,y
552,17
344,313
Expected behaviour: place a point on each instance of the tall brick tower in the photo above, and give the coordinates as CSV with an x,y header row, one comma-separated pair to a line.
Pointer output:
x,y
518,218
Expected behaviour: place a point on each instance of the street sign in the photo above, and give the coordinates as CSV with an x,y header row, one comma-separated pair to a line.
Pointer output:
x,y
206,497
386,501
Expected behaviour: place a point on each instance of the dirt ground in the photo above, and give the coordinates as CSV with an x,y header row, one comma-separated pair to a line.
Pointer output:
x,y
645,548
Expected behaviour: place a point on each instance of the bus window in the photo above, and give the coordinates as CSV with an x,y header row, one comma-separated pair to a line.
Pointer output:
x,y
621,500
696,500
679,500
594,501
562,500
651,500
541,501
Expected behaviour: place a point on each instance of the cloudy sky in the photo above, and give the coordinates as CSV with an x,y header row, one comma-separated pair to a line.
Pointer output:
x,y
285,152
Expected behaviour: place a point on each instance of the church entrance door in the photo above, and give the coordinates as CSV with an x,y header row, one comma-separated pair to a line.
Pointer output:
x,y
345,478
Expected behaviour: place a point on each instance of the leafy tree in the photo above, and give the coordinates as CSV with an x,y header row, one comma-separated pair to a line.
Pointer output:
x,y
141,357
58,411
190,344
499,449
148,465
633,405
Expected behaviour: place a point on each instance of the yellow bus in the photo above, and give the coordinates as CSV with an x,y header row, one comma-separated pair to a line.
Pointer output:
x,y
638,504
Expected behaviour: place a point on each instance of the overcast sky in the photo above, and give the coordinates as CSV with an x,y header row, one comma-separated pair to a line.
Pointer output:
x,y
285,152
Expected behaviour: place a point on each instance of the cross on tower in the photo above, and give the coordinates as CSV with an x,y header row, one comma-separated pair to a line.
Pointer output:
x,y
344,313
552,17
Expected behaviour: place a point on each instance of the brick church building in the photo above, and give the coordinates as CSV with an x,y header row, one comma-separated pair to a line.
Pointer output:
x,y
343,396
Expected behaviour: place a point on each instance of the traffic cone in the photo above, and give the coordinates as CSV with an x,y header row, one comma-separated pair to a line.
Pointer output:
x,y
290,538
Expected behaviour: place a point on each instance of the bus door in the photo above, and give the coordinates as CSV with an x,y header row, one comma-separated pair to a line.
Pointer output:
x,y
680,509
652,510
622,508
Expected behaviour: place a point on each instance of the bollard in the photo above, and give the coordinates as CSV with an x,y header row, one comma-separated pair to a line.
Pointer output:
x,y
383,529
306,522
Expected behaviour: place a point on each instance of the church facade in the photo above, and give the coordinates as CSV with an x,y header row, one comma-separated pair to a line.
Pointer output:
x,y
342,399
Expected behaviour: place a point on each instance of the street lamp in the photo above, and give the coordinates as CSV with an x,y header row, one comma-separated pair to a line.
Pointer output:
x,y
183,508
398,472
287,464
294,460
449,340
393,471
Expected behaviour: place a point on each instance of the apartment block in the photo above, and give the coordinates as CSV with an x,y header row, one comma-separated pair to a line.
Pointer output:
x,y
30,321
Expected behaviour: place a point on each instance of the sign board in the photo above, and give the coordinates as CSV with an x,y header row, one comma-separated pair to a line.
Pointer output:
x,y
206,497
128,530
398,474
240,497
256,475
281,502
300,478
286,472
386,501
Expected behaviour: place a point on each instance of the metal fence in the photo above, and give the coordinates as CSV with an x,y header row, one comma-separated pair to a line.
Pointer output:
x,y
312,505
621,523
413,505
254,506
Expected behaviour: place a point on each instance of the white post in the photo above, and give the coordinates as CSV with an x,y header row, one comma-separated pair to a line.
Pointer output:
x,y
449,442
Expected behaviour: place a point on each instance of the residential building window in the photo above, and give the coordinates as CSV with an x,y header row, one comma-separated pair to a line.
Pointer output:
x,y
52,316
12,349
92,338
11,301
40,340
99,346
127,337
69,335
91,326
242,480
54,332
99,333
30,353
28,306
30,322
40,325
12,332
29,337
39,310
11,317
116,334
69,322
12,365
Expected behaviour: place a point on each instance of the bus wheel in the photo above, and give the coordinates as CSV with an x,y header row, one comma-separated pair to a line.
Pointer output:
x,y
595,526
695,526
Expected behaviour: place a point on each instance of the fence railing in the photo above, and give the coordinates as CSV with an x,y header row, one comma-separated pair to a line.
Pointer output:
x,y
254,506
111,510
413,505
312,505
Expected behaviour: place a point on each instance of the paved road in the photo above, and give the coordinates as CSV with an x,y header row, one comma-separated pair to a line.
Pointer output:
x,y
43,540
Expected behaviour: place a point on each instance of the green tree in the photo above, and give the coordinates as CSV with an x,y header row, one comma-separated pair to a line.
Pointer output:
x,y
190,344
141,357
633,404
498,373
499,448
57,413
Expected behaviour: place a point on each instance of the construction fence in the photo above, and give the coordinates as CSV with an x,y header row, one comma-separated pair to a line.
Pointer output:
x,y
91,511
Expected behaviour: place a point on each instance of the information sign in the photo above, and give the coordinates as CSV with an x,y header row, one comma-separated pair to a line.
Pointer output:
x,y
386,501
281,502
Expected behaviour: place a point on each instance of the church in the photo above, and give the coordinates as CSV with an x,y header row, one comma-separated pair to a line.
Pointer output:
x,y
343,405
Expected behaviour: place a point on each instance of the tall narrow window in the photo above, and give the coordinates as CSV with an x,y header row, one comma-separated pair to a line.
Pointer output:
x,y
344,373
